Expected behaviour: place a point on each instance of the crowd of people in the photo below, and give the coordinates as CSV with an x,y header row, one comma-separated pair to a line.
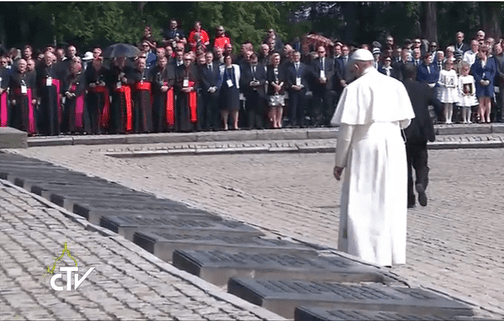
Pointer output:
x,y
195,83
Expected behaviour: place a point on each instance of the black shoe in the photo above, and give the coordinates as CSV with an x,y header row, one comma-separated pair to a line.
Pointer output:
x,y
422,197
411,205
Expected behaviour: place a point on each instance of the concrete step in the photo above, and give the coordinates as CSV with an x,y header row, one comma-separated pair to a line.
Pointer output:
x,y
239,135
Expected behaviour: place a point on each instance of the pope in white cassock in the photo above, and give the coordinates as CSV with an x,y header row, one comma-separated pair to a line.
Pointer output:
x,y
371,112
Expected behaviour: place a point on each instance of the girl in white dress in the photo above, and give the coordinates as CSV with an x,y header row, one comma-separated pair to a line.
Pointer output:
x,y
467,93
448,93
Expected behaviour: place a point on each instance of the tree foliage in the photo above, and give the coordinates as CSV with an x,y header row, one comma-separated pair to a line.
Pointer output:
x,y
89,23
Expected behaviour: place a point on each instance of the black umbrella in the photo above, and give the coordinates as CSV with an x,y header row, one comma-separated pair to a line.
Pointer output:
x,y
121,50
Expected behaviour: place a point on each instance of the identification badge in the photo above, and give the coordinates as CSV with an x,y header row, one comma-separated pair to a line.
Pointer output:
x,y
118,85
48,81
298,81
185,83
229,83
322,74
23,89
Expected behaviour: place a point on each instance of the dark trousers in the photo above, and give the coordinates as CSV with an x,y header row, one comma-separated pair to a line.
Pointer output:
x,y
499,105
254,105
208,111
297,107
416,152
48,112
323,106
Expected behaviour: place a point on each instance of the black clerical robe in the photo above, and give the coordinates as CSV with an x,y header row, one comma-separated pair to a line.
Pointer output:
x,y
50,110
186,110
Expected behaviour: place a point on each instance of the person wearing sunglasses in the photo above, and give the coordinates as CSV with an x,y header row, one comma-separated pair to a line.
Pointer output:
x,y
221,39
150,57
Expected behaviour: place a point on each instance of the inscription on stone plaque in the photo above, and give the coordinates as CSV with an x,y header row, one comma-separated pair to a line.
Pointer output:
x,y
126,225
283,296
218,266
163,244
333,314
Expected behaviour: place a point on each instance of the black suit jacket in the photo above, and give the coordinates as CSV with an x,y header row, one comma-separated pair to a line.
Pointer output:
x,y
246,77
209,79
397,69
329,72
340,68
421,129
291,75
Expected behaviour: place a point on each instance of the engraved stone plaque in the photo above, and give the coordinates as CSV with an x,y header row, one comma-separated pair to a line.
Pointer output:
x,y
219,265
335,314
163,244
283,296
126,225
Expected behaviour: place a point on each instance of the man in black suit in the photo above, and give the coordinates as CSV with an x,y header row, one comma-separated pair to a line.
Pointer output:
x,y
417,134
340,65
297,84
397,66
253,77
208,115
323,96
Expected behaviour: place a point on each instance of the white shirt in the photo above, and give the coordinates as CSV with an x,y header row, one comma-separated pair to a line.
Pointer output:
x,y
469,57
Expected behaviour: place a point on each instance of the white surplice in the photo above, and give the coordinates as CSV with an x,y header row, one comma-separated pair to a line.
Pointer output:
x,y
371,112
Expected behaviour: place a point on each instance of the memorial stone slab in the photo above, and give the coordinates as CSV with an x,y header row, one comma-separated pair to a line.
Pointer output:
x,y
96,216
334,314
55,183
283,296
163,244
126,225
94,211
68,199
218,266
11,173
85,193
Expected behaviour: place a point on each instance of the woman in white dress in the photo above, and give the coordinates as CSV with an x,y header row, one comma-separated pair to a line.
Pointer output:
x,y
448,93
467,93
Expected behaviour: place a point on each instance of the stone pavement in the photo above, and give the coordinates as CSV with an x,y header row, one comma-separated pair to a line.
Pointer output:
x,y
127,283
454,244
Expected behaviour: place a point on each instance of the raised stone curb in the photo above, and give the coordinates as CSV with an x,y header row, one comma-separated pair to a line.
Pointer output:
x,y
300,146
13,138
238,135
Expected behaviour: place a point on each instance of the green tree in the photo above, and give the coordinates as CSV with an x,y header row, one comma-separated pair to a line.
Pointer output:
x,y
242,20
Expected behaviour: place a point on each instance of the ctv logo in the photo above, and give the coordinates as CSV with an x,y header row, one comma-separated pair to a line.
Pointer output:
x,y
68,270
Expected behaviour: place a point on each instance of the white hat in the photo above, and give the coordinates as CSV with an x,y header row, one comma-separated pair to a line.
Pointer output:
x,y
88,56
362,54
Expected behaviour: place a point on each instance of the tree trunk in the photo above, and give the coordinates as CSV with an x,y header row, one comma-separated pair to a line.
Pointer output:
x,y
349,10
491,17
429,21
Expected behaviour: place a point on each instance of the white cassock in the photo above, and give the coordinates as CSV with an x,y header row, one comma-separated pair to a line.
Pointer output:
x,y
371,112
